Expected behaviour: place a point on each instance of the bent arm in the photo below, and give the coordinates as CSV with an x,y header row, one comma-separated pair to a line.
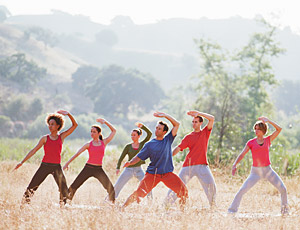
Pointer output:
x,y
81,150
276,126
149,134
41,142
176,150
209,117
239,158
112,129
72,128
173,121
133,161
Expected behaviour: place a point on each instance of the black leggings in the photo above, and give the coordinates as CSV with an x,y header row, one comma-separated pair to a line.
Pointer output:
x,y
97,172
44,170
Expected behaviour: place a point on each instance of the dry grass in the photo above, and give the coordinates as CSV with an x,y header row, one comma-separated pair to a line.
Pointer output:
x,y
260,208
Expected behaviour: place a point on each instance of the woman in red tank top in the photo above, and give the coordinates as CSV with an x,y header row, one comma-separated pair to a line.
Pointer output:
x,y
51,161
93,167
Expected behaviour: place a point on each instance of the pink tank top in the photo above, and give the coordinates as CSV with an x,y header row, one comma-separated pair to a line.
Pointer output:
x,y
52,150
96,153
260,154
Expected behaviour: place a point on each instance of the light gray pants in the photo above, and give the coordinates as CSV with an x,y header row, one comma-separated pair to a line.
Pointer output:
x,y
205,177
256,174
126,175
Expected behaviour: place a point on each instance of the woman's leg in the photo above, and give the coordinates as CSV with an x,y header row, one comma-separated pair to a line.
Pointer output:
x,y
104,180
125,176
61,182
85,173
248,184
40,175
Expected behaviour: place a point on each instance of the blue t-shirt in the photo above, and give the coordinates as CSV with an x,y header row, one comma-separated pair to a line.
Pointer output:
x,y
160,154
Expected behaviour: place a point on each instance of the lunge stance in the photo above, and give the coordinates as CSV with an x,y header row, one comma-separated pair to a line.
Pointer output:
x,y
161,165
132,150
93,167
51,162
195,163
261,168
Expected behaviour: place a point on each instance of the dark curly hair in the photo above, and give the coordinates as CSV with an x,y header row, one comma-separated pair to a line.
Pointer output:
x,y
57,118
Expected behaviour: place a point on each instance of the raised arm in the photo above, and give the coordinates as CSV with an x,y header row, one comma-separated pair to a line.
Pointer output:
x,y
145,128
41,142
209,117
173,121
239,158
112,129
82,149
72,128
133,161
276,126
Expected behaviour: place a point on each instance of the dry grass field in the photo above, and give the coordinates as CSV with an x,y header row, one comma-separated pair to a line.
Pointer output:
x,y
260,207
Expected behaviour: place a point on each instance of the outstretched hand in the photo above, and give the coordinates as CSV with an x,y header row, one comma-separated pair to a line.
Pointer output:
x,y
18,166
233,170
126,164
263,119
192,113
66,167
63,112
159,114
100,120
139,124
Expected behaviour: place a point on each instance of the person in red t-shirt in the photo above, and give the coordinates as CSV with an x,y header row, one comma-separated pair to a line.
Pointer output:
x,y
261,168
51,161
195,163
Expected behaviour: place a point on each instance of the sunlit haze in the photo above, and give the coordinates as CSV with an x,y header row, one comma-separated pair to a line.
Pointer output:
x,y
281,13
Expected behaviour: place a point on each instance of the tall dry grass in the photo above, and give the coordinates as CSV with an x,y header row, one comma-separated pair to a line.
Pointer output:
x,y
260,206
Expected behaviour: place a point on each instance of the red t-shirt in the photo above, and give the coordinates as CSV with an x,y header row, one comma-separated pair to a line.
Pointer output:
x,y
52,150
260,154
197,144
96,153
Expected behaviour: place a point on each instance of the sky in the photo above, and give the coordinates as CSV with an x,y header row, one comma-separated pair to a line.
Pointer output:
x,y
278,12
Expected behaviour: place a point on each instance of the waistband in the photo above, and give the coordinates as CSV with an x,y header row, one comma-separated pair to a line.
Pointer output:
x,y
50,164
93,166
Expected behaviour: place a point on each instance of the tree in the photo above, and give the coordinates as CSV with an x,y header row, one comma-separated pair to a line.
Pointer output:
x,y
17,69
119,91
232,86
40,34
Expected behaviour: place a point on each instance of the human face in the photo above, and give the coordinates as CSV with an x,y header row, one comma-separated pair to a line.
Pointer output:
x,y
159,131
53,126
94,133
258,131
196,124
134,136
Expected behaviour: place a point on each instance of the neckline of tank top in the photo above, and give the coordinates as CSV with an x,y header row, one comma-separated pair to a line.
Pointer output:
x,y
96,145
53,139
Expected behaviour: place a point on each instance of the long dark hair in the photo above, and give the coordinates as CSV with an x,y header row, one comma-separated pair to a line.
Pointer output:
x,y
99,131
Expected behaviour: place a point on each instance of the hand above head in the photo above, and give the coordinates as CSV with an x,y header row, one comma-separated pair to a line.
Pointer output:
x,y
193,113
139,124
263,119
159,114
100,120
63,112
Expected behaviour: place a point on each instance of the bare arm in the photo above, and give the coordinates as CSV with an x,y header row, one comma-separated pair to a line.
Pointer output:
x,y
239,158
72,128
209,117
41,142
173,121
276,126
112,129
132,162
82,149
176,150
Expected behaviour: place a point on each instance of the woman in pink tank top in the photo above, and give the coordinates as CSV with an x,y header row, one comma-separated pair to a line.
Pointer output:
x,y
51,161
261,168
93,167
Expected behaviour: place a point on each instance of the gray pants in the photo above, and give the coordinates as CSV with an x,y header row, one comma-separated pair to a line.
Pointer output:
x,y
256,174
126,175
205,177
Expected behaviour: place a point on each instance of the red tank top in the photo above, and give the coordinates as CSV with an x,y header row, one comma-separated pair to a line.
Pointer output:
x,y
96,153
52,150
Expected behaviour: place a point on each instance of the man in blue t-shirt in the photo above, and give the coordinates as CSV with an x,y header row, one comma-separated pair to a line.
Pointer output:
x,y
161,166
